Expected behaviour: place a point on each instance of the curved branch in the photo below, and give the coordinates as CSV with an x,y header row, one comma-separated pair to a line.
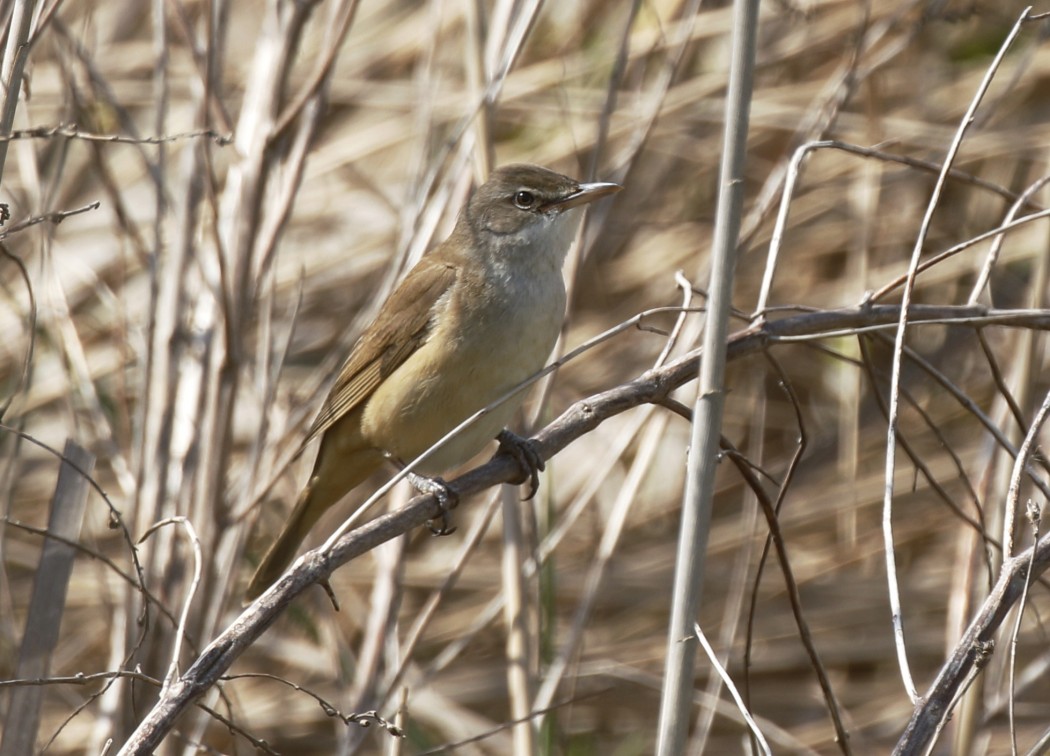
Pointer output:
x,y
652,387
972,651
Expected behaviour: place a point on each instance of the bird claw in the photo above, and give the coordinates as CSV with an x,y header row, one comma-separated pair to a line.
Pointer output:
x,y
446,498
527,456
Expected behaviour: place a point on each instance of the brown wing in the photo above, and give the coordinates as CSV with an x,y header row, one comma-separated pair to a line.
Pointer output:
x,y
402,325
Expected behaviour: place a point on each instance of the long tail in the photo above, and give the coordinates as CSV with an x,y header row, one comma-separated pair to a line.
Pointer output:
x,y
282,550
333,477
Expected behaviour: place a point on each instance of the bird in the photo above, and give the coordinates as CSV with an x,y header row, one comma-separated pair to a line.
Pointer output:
x,y
476,316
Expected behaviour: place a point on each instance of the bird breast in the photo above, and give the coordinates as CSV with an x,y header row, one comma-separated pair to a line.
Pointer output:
x,y
492,330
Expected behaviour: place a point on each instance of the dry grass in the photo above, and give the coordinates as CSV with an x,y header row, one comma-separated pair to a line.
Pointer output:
x,y
185,331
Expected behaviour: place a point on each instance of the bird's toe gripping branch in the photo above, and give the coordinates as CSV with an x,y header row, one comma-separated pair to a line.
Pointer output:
x,y
526,455
447,499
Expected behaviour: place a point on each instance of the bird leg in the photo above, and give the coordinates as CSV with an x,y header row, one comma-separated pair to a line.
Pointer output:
x,y
447,499
527,456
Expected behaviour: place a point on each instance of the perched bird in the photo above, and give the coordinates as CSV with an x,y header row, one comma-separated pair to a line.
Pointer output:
x,y
476,316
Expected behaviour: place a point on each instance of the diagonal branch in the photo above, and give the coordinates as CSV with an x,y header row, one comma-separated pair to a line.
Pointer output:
x,y
652,387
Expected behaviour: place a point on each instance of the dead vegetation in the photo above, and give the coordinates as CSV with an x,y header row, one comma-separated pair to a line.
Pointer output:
x,y
183,331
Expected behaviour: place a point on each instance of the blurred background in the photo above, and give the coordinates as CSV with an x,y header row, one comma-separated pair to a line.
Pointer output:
x,y
282,163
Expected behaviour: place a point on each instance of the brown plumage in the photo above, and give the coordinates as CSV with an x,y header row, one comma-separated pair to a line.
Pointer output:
x,y
474,318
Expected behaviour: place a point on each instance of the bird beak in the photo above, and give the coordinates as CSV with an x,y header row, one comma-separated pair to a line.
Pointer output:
x,y
586,193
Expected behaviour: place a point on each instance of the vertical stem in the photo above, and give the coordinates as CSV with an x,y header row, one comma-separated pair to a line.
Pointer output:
x,y
48,601
677,693
14,64
515,614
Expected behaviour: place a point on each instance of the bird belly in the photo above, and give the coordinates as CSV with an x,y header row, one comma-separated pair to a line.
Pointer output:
x,y
457,372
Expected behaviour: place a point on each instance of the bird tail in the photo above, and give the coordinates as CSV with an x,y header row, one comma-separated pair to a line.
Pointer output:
x,y
282,550
332,478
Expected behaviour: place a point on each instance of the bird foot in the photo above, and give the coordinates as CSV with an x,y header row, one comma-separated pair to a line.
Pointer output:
x,y
447,499
527,456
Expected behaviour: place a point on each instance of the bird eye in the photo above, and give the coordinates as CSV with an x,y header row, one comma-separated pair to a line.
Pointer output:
x,y
524,199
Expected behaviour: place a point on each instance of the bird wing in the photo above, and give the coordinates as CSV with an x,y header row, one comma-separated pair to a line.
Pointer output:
x,y
403,324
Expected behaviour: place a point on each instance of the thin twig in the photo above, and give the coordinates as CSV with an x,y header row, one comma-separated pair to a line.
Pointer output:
x,y
728,681
1035,513
72,131
973,650
55,217
27,361
794,598
191,591
897,617
940,257
1020,465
